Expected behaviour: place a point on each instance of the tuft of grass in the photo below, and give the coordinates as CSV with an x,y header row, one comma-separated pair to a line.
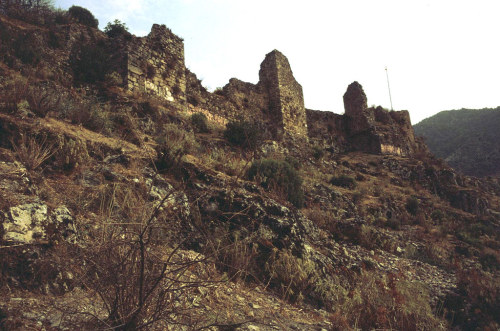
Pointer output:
x,y
33,151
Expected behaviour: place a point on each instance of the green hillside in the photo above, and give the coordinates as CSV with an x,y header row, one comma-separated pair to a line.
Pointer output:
x,y
468,139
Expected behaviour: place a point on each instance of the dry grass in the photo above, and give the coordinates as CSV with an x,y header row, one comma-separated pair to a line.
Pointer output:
x,y
33,151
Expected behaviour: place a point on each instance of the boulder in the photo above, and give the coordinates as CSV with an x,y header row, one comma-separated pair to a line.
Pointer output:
x,y
31,223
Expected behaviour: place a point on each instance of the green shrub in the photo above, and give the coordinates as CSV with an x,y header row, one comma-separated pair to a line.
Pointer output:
x,y
83,16
481,308
117,29
412,205
199,121
173,143
278,176
343,181
61,17
243,133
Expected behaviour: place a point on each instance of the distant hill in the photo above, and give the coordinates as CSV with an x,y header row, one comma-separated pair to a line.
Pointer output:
x,y
468,139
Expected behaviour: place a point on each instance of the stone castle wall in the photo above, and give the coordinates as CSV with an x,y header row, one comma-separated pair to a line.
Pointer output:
x,y
371,130
276,100
155,64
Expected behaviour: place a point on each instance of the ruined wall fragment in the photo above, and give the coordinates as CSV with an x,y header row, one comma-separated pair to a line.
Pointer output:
x,y
155,64
286,99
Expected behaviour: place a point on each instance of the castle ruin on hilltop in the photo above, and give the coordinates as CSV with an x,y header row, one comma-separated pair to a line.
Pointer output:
x,y
155,64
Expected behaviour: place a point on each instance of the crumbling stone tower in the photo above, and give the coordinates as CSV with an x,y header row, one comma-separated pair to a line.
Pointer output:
x,y
286,99
155,64
376,130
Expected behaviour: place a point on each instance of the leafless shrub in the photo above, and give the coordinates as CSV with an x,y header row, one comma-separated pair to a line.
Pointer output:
x,y
137,277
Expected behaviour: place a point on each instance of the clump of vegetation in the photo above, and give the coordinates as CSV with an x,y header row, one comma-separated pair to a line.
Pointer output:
x,y
173,143
293,162
481,310
343,181
293,277
71,153
42,100
244,133
117,29
412,205
437,215
199,121
83,16
131,269
32,150
13,93
278,176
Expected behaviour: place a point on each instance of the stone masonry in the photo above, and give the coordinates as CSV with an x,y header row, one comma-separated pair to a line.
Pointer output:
x,y
155,64
286,100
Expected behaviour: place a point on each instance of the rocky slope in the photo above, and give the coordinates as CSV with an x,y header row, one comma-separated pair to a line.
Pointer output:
x,y
122,211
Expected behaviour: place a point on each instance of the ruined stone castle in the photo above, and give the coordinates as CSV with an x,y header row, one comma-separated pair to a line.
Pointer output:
x,y
155,64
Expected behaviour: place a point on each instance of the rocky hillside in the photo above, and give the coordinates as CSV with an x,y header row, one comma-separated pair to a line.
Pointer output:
x,y
467,139
124,211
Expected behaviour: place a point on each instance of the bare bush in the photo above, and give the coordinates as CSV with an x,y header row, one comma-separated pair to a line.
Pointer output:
x,y
137,277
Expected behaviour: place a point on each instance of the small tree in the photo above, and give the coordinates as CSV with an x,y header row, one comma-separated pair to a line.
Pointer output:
x,y
83,16
117,29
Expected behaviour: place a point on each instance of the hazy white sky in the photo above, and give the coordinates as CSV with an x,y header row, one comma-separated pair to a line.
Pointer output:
x,y
440,54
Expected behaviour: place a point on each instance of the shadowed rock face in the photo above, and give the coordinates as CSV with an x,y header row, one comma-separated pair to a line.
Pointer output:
x,y
359,117
355,102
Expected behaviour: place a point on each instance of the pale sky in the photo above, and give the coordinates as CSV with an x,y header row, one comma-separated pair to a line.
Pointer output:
x,y
440,54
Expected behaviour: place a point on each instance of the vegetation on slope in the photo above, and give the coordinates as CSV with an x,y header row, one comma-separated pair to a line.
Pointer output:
x,y
469,140
169,215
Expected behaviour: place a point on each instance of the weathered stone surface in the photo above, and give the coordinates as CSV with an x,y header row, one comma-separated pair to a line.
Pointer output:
x,y
355,101
277,100
30,223
286,99
155,64
25,223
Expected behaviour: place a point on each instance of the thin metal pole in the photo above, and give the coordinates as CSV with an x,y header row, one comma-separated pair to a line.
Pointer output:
x,y
389,87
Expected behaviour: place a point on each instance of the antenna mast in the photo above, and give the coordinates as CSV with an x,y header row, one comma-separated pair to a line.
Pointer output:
x,y
389,87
